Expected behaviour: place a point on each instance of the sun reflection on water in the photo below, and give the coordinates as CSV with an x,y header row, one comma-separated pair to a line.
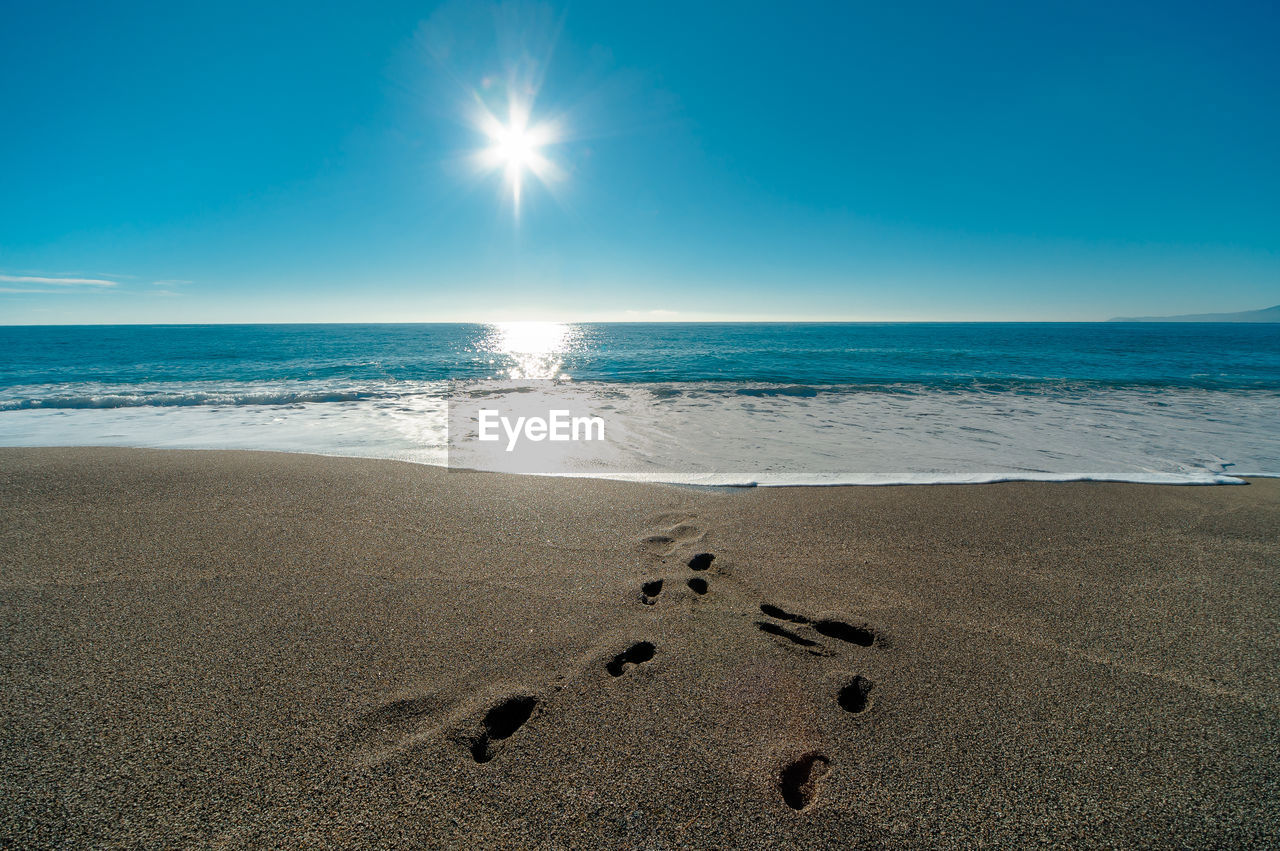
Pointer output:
x,y
532,349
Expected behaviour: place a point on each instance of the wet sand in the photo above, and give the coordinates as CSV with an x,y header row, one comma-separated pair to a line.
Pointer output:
x,y
256,649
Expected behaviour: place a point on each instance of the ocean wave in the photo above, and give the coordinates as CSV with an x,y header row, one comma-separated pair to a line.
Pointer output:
x,y
171,400
704,433
102,395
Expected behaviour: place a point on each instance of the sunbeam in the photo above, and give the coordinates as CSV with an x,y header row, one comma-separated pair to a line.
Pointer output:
x,y
515,148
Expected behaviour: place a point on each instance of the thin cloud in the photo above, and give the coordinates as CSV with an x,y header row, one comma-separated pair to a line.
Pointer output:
x,y
171,283
62,282
28,290
657,313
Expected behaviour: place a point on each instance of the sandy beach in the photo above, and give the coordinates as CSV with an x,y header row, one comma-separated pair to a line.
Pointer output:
x,y
267,650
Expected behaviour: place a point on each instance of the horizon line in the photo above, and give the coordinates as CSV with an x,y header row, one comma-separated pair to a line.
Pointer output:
x,y
1112,321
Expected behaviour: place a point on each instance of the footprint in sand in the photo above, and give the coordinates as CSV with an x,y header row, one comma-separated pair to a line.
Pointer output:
x,y
855,697
701,561
635,655
798,782
382,730
778,614
397,716
499,724
670,539
796,639
859,635
381,733
862,636
649,592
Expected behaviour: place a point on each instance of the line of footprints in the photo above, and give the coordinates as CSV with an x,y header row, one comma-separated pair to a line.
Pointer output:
x,y
797,782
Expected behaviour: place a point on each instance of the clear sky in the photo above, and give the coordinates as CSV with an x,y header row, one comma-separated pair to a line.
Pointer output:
x,y
316,161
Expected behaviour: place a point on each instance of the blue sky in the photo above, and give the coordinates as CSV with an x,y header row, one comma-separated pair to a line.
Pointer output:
x,y
318,161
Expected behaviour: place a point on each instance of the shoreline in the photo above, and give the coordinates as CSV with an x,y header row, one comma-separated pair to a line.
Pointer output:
x,y
888,481
261,648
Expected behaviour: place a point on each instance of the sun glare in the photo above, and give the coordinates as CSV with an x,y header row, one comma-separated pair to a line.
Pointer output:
x,y
515,147
532,349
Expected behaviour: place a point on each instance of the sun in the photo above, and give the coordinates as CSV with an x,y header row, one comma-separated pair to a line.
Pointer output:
x,y
515,147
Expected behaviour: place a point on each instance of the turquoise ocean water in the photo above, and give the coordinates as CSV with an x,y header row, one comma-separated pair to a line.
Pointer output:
x,y
704,403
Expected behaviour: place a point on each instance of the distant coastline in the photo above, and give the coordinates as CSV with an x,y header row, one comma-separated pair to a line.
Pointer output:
x,y
1267,314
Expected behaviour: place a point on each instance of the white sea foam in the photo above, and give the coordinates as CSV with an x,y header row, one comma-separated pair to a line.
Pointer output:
x,y
713,434
171,395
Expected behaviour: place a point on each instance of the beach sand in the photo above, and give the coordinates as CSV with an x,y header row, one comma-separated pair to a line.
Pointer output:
x,y
253,649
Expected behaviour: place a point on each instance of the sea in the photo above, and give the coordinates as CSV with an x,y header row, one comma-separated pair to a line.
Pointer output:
x,y
732,404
